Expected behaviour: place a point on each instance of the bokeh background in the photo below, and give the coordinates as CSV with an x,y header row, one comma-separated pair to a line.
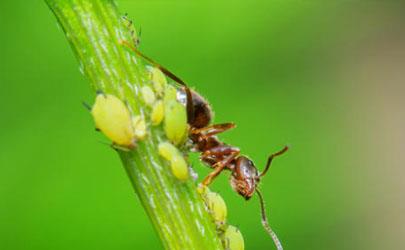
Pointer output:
x,y
326,77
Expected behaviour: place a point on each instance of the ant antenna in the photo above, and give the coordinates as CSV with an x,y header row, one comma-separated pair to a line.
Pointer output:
x,y
189,106
265,222
271,159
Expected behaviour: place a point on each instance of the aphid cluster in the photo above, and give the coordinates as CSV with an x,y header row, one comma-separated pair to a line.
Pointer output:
x,y
181,121
219,156
113,118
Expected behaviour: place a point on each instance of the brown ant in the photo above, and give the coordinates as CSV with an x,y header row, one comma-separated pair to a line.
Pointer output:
x,y
216,154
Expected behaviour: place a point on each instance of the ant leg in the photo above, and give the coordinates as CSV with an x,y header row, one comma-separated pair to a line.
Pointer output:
x,y
219,152
270,159
213,129
219,166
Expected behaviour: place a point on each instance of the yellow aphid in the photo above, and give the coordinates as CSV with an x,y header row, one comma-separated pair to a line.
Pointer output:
x,y
179,167
148,95
202,189
216,206
157,113
159,80
167,150
233,239
177,162
139,126
113,118
175,115
170,94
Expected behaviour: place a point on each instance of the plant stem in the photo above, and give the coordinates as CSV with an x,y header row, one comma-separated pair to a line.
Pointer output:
x,y
94,30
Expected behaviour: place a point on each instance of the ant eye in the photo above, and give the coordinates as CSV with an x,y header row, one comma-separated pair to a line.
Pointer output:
x,y
246,172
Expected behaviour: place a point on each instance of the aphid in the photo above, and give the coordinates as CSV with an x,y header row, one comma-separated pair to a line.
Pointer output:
x,y
148,95
220,156
179,167
216,206
177,162
233,239
175,117
158,113
139,125
167,150
112,117
159,80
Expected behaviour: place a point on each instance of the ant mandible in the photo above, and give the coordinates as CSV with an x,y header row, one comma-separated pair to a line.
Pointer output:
x,y
216,154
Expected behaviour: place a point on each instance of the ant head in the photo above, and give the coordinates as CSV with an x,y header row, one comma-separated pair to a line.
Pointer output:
x,y
200,115
244,177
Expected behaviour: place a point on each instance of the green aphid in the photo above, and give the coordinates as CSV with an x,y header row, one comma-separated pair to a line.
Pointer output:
x,y
113,118
167,150
179,167
158,112
178,164
159,80
233,239
216,205
170,94
175,117
148,95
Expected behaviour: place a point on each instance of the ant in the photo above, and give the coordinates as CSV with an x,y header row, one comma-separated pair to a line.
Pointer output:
x,y
219,156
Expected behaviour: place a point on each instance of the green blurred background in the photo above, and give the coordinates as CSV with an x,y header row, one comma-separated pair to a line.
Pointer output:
x,y
326,78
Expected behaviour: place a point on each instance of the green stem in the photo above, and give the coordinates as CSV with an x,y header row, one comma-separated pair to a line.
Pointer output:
x,y
94,29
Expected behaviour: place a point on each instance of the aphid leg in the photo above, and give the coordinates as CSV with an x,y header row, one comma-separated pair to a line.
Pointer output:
x,y
219,166
270,159
227,244
212,129
120,148
87,106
